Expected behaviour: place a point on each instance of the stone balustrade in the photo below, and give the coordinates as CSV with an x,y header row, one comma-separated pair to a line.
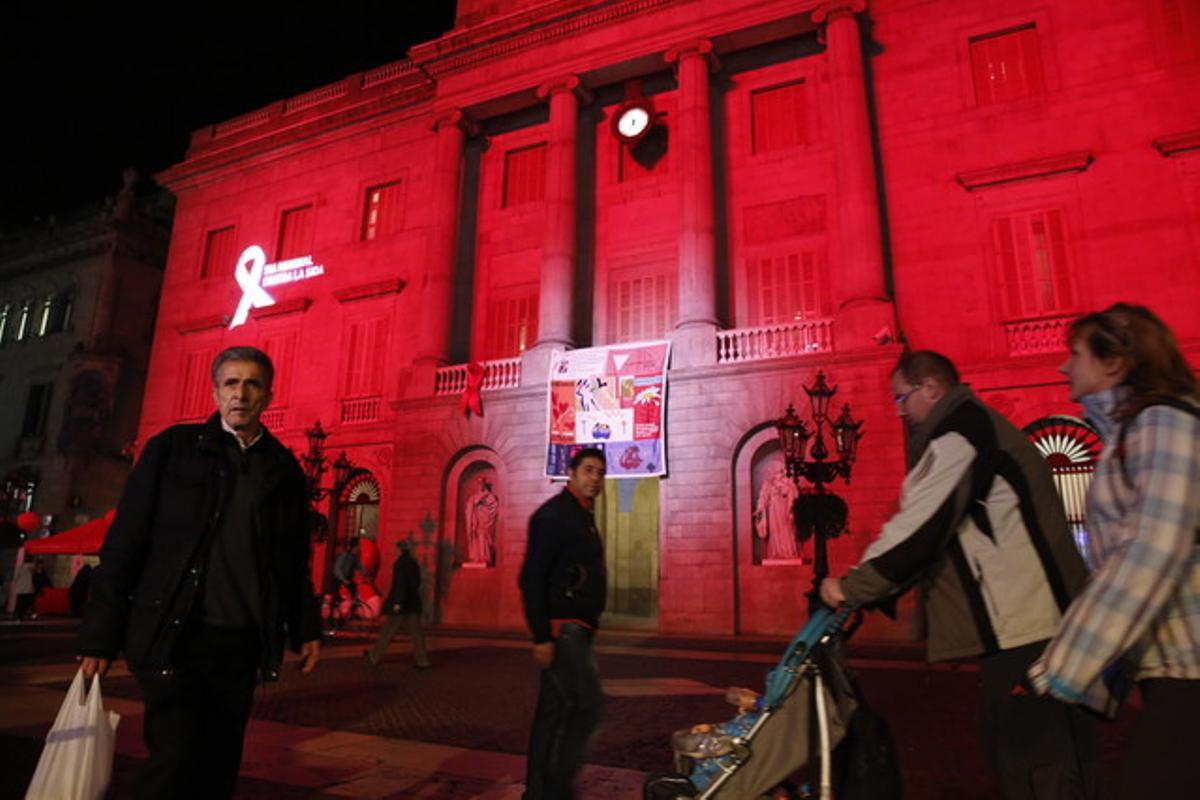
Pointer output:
x,y
1033,336
775,341
502,373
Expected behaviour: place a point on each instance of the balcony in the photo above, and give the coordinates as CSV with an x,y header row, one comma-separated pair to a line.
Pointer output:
x,y
502,373
274,418
774,341
1034,336
359,410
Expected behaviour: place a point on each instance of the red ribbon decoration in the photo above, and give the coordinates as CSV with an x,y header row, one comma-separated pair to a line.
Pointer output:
x,y
471,399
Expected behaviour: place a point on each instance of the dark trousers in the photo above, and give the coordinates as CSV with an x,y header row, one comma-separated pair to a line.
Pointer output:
x,y
1038,747
1162,761
569,707
391,624
24,606
196,717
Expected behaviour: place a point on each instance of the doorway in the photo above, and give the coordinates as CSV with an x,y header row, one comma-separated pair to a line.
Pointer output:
x,y
627,517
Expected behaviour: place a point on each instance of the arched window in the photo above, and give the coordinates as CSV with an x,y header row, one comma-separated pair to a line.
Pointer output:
x,y
1071,448
360,504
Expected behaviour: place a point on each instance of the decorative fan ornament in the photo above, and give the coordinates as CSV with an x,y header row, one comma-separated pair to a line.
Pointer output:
x,y
1064,441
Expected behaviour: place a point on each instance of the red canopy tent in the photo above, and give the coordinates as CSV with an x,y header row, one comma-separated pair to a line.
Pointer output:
x,y
85,539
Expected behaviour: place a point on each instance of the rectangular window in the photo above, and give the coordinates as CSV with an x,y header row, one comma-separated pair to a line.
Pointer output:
x,y
512,324
44,312
281,349
641,307
37,407
788,287
1007,65
24,320
524,175
195,399
60,312
1031,253
295,233
366,353
218,253
1181,20
384,210
778,117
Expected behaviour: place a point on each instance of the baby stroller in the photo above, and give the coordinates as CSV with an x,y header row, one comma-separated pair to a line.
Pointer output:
x,y
809,699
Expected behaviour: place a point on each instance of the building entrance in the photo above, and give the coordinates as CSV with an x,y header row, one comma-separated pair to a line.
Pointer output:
x,y
627,516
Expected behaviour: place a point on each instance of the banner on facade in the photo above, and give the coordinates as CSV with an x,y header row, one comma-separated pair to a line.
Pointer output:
x,y
613,398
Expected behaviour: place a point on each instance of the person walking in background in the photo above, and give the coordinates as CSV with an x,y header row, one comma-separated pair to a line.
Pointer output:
x,y
402,607
981,530
203,580
563,585
1139,617
23,588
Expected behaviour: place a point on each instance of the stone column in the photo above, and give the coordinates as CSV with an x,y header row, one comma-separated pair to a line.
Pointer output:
x,y
556,290
863,308
437,288
694,337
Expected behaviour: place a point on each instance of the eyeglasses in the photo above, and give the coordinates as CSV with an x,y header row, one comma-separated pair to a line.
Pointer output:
x,y
901,399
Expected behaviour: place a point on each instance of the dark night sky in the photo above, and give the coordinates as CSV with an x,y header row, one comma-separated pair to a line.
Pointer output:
x,y
90,88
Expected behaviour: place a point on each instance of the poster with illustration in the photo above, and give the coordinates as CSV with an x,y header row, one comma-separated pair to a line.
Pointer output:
x,y
612,398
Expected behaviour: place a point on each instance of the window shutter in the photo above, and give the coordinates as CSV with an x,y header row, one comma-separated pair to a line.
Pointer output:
x,y
295,232
524,175
281,349
384,212
1006,66
1032,259
195,391
778,117
218,252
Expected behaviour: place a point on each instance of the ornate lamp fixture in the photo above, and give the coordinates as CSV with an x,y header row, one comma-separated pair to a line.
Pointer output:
x,y
818,513
314,465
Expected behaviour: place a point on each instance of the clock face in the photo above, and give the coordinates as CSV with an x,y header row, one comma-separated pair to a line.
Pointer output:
x,y
633,121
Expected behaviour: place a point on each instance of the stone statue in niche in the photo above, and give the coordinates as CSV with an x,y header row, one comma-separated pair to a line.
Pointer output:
x,y
773,520
482,512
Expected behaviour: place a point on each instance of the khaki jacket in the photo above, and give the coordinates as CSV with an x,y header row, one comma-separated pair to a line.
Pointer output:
x,y
980,531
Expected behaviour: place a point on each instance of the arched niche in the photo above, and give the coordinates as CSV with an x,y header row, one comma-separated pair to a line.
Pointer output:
x,y
768,598
474,473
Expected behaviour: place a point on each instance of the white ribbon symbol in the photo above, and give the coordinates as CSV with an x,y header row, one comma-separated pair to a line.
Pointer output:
x,y
249,273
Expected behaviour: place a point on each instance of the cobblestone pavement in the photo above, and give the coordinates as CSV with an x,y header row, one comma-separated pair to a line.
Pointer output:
x,y
458,730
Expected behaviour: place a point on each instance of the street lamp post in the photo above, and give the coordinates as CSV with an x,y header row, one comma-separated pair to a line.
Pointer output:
x,y
314,467
817,512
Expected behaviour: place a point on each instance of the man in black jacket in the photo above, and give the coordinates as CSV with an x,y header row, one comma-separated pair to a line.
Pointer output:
x,y
402,606
563,584
202,577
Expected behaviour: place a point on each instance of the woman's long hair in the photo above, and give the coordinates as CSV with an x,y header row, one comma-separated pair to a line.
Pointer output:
x,y
1146,347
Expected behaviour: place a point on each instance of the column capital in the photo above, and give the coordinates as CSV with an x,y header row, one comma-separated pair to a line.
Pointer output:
x,y
832,9
455,117
564,83
700,47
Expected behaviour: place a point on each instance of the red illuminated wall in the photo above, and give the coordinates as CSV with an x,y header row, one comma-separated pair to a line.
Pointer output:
x,y
979,176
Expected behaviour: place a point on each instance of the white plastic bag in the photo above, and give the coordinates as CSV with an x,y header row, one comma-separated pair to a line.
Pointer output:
x,y
76,763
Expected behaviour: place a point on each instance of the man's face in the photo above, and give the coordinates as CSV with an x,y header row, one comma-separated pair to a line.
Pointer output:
x,y
588,477
913,403
241,394
1087,373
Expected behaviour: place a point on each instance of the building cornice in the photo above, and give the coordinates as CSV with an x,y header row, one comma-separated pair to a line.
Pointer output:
x,y
975,179
463,49
1177,143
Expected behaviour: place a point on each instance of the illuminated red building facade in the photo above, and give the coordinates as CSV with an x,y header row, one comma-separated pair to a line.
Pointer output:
x,y
821,182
